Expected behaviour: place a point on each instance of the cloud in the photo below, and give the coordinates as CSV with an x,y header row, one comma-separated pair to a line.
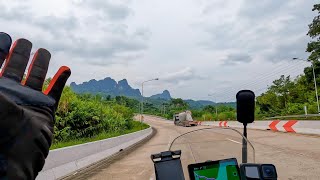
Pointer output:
x,y
106,8
251,9
56,25
200,45
96,39
19,13
237,58
180,76
105,47
271,29
286,50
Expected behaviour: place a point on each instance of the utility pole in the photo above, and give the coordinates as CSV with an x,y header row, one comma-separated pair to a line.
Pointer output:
x,y
211,95
142,98
315,87
314,79
162,108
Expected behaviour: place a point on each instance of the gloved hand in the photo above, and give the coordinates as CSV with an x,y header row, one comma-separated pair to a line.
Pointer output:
x,y
26,113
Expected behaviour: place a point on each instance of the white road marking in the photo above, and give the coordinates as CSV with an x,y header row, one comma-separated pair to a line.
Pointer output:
x,y
234,141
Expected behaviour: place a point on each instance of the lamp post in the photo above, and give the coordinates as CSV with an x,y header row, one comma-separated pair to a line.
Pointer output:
x,y
142,98
314,79
211,95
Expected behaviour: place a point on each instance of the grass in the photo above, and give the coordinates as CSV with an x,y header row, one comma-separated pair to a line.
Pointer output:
x,y
137,126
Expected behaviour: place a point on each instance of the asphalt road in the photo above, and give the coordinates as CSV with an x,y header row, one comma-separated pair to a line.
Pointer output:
x,y
295,156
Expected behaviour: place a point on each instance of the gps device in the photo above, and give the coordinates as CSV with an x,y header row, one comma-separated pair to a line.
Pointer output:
x,y
226,169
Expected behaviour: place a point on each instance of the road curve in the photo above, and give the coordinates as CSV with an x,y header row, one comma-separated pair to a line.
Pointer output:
x,y
295,156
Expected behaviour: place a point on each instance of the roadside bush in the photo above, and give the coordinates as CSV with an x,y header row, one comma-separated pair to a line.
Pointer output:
x,y
81,116
207,117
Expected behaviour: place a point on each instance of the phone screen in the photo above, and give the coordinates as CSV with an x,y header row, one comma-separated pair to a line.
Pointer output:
x,y
215,170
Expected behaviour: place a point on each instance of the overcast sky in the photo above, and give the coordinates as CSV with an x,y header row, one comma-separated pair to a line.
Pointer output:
x,y
195,47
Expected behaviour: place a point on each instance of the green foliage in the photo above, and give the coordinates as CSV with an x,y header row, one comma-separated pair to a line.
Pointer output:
x,y
86,116
288,97
207,117
215,113
178,103
314,32
135,126
167,108
125,101
197,114
209,108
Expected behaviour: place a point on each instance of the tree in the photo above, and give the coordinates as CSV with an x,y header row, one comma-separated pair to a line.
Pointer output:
x,y
309,74
210,109
177,102
267,102
281,87
108,98
224,108
314,32
46,83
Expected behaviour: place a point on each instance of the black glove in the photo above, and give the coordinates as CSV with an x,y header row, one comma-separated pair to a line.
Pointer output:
x,y
26,113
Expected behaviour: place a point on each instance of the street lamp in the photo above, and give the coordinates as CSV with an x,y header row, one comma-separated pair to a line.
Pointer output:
x,y
314,79
141,109
211,95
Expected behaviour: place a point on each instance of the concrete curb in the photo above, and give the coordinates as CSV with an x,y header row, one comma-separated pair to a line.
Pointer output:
x,y
64,161
88,172
292,126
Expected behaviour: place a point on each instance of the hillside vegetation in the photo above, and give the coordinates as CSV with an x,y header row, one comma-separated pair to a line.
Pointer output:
x,y
82,118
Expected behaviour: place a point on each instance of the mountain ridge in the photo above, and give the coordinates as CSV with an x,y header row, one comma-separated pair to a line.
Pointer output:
x,y
164,95
106,86
109,86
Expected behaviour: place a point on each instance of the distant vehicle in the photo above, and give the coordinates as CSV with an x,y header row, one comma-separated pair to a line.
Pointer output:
x,y
184,119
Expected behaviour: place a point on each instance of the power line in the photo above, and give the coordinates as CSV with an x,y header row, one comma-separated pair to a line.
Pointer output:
x,y
258,81
261,81
279,70
265,76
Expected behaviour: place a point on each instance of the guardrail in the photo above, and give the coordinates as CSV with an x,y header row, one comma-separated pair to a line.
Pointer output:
x,y
63,161
292,126
295,116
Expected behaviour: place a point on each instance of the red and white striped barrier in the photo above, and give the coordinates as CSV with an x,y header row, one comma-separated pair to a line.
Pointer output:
x,y
223,124
285,126
291,126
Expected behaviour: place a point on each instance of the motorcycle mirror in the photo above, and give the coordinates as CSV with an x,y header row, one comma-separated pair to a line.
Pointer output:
x,y
245,106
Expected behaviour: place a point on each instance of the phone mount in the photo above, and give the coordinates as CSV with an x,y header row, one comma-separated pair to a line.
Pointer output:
x,y
167,165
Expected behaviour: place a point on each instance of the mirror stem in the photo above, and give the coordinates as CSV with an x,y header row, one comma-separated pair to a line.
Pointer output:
x,y
244,144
